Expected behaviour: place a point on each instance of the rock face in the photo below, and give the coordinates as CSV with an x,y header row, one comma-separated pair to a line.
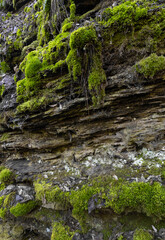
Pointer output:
x,y
82,120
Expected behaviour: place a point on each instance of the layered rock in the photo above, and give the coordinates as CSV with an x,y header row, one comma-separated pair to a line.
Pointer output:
x,y
82,120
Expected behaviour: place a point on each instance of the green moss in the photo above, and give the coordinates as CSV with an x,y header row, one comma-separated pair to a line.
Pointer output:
x,y
51,194
72,11
124,15
151,65
141,234
74,64
23,209
19,33
61,232
33,65
2,89
82,36
31,105
6,175
4,67
66,27
1,201
85,58
3,213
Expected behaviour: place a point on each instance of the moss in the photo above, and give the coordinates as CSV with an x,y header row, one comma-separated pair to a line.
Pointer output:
x,y
31,105
84,59
141,234
19,33
4,137
82,36
33,65
4,67
28,86
6,175
23,209
151,65
72,11
3,213
51,194
124,15
2,89
66,27
61,232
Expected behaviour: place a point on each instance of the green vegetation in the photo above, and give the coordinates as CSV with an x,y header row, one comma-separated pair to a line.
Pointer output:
x,y
124,15
31,105
141,234
61,232
2,89
22,209
151,65
52,194
5,176
30,84
72,10
81,42
4,67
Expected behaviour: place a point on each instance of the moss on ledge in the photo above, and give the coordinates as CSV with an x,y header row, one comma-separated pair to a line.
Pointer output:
x,y
22,209
151,65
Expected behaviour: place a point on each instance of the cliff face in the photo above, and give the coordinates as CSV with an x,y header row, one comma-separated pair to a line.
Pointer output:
x,y
82,119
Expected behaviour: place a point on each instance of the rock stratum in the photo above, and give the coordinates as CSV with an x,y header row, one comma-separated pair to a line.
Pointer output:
x,y
82,120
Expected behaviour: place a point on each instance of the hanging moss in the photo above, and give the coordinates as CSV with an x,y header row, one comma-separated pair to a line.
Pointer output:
x,y
84,59
72,10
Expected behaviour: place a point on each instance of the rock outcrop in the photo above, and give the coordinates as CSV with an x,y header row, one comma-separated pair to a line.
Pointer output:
x,y
82,124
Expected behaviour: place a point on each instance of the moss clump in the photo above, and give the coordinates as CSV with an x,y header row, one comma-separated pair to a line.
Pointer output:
x,y
141,197
33,65
52,194
61,232
2,89
4,67
23,209
5,175
28,86
66,27
125,15
3,212
72,10
31,105
151,65
82,36
141,234
84,59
